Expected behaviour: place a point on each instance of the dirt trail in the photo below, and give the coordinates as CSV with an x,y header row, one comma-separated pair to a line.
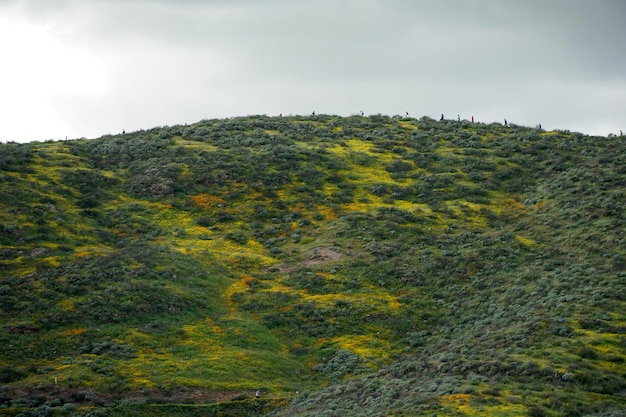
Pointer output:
x,y
83,395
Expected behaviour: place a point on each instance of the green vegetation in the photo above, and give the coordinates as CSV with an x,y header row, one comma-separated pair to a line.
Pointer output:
x,y
360,266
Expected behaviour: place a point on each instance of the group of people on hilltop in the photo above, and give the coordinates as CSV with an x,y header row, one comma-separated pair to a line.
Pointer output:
x,y
506,122
458,118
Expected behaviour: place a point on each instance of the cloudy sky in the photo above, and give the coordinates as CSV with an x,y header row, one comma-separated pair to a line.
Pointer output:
x,y
85,68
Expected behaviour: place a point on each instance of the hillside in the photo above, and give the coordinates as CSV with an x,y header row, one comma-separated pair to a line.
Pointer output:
x,y
360,266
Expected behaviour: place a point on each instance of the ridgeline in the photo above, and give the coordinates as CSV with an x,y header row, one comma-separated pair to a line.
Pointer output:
x,y
359,266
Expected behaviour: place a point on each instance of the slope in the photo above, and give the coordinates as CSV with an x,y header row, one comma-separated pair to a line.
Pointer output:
x,y
376,265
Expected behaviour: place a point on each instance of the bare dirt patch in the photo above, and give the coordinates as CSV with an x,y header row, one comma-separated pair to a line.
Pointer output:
x,y
322,255
317,256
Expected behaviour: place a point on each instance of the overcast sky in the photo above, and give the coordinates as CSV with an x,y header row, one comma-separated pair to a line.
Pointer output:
x,y
85,68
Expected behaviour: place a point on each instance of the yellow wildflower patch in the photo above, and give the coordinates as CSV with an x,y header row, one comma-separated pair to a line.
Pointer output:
x,y
53,261
67,305
408,125
74,332
463,403
205,201
362,207
327,212
524,240
213,327
458,400
243,285
360,145
366,346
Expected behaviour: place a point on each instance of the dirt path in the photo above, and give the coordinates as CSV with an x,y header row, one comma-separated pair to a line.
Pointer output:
x,y
82,395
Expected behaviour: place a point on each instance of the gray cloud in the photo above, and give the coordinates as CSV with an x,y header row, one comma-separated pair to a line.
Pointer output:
x,y
562,63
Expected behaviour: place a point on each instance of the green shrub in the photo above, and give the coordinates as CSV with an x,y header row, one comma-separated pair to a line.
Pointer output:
x,y
238,237
205,221
10,374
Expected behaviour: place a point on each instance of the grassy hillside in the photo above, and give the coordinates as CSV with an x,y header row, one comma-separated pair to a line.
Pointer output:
x,y
362,266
